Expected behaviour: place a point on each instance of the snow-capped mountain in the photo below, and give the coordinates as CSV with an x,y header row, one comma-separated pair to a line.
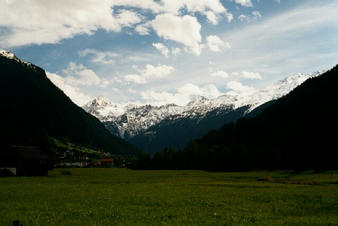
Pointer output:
x,y
102,107
10,55
130,120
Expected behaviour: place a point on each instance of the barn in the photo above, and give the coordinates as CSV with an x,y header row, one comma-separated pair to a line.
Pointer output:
x,y
106,162
24,161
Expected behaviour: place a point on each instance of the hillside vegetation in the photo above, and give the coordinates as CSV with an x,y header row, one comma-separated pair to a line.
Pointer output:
x,y
297,131
33,109
127,197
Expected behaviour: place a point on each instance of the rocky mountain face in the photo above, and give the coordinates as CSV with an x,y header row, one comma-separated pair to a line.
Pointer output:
x,y
295,132
155,127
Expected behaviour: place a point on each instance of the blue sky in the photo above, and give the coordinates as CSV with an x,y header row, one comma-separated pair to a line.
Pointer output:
x,y
168,51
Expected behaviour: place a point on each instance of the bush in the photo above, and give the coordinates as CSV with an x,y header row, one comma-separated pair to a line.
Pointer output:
x,y
67,173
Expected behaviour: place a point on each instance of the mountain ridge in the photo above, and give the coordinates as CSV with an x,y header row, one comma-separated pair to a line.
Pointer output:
x,y
131,121
33,109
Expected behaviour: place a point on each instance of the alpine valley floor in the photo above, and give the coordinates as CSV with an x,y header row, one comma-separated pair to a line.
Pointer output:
x,y
127,197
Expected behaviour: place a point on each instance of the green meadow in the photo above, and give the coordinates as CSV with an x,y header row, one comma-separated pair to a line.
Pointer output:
x,y
128,197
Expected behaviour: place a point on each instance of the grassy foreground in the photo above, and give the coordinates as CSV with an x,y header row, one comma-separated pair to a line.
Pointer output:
x,y
127,197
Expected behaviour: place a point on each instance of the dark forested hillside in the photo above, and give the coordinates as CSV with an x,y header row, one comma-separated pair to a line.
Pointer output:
x,y
176,133
33,109
298,131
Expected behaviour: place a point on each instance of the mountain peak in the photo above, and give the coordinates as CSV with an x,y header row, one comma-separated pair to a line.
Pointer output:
x,y
133,119
101,107
7,54
102,101
197,99
12,56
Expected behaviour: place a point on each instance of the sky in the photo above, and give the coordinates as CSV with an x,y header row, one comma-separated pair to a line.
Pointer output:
x,y
169,51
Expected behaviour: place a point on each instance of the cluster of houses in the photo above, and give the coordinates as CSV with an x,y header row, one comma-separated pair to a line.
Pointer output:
x,y
23,161
102,162
32,161
76,159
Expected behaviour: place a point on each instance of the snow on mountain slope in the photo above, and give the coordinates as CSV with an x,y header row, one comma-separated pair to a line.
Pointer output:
x,y
274,91
12,56
101,107
133,120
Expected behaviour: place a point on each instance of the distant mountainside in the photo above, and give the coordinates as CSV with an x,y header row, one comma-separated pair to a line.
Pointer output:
x,y
152,128
297,131
33,109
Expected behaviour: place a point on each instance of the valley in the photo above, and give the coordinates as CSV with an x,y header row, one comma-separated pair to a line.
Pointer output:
x,y
127,197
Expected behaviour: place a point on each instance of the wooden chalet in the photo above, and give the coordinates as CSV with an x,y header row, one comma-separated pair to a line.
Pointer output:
x,y
24,161
106,162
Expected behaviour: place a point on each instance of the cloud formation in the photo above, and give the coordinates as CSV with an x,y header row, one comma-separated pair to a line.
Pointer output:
x,y
245,3
77,74
248,75
185,30
162,48
165,51
216,44
181,95
175,6
236,87
39,21
74,93
148,73
220,74
105,57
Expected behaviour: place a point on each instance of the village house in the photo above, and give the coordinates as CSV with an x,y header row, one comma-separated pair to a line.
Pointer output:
x,y
24,161
106,162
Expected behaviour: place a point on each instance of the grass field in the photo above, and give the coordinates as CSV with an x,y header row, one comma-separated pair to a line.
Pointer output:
x,y
127,197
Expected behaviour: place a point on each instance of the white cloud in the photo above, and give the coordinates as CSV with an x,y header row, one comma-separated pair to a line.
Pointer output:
x,y
137,58
242,18
239,88
77,74
251,75
142,4
104,83
150,72
174,7
39,21
288,37
74,93
159,71
143,29
229,17
160,98
165,51
175,51
220,73
138,79
246,3
185,30
216,44
106,57
247,75
182,95
256,14
212,18
128,18
209,91
194,6
162,48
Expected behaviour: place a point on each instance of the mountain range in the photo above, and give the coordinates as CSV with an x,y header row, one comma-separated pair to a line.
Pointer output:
x,y
152,128
297,131
33,109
